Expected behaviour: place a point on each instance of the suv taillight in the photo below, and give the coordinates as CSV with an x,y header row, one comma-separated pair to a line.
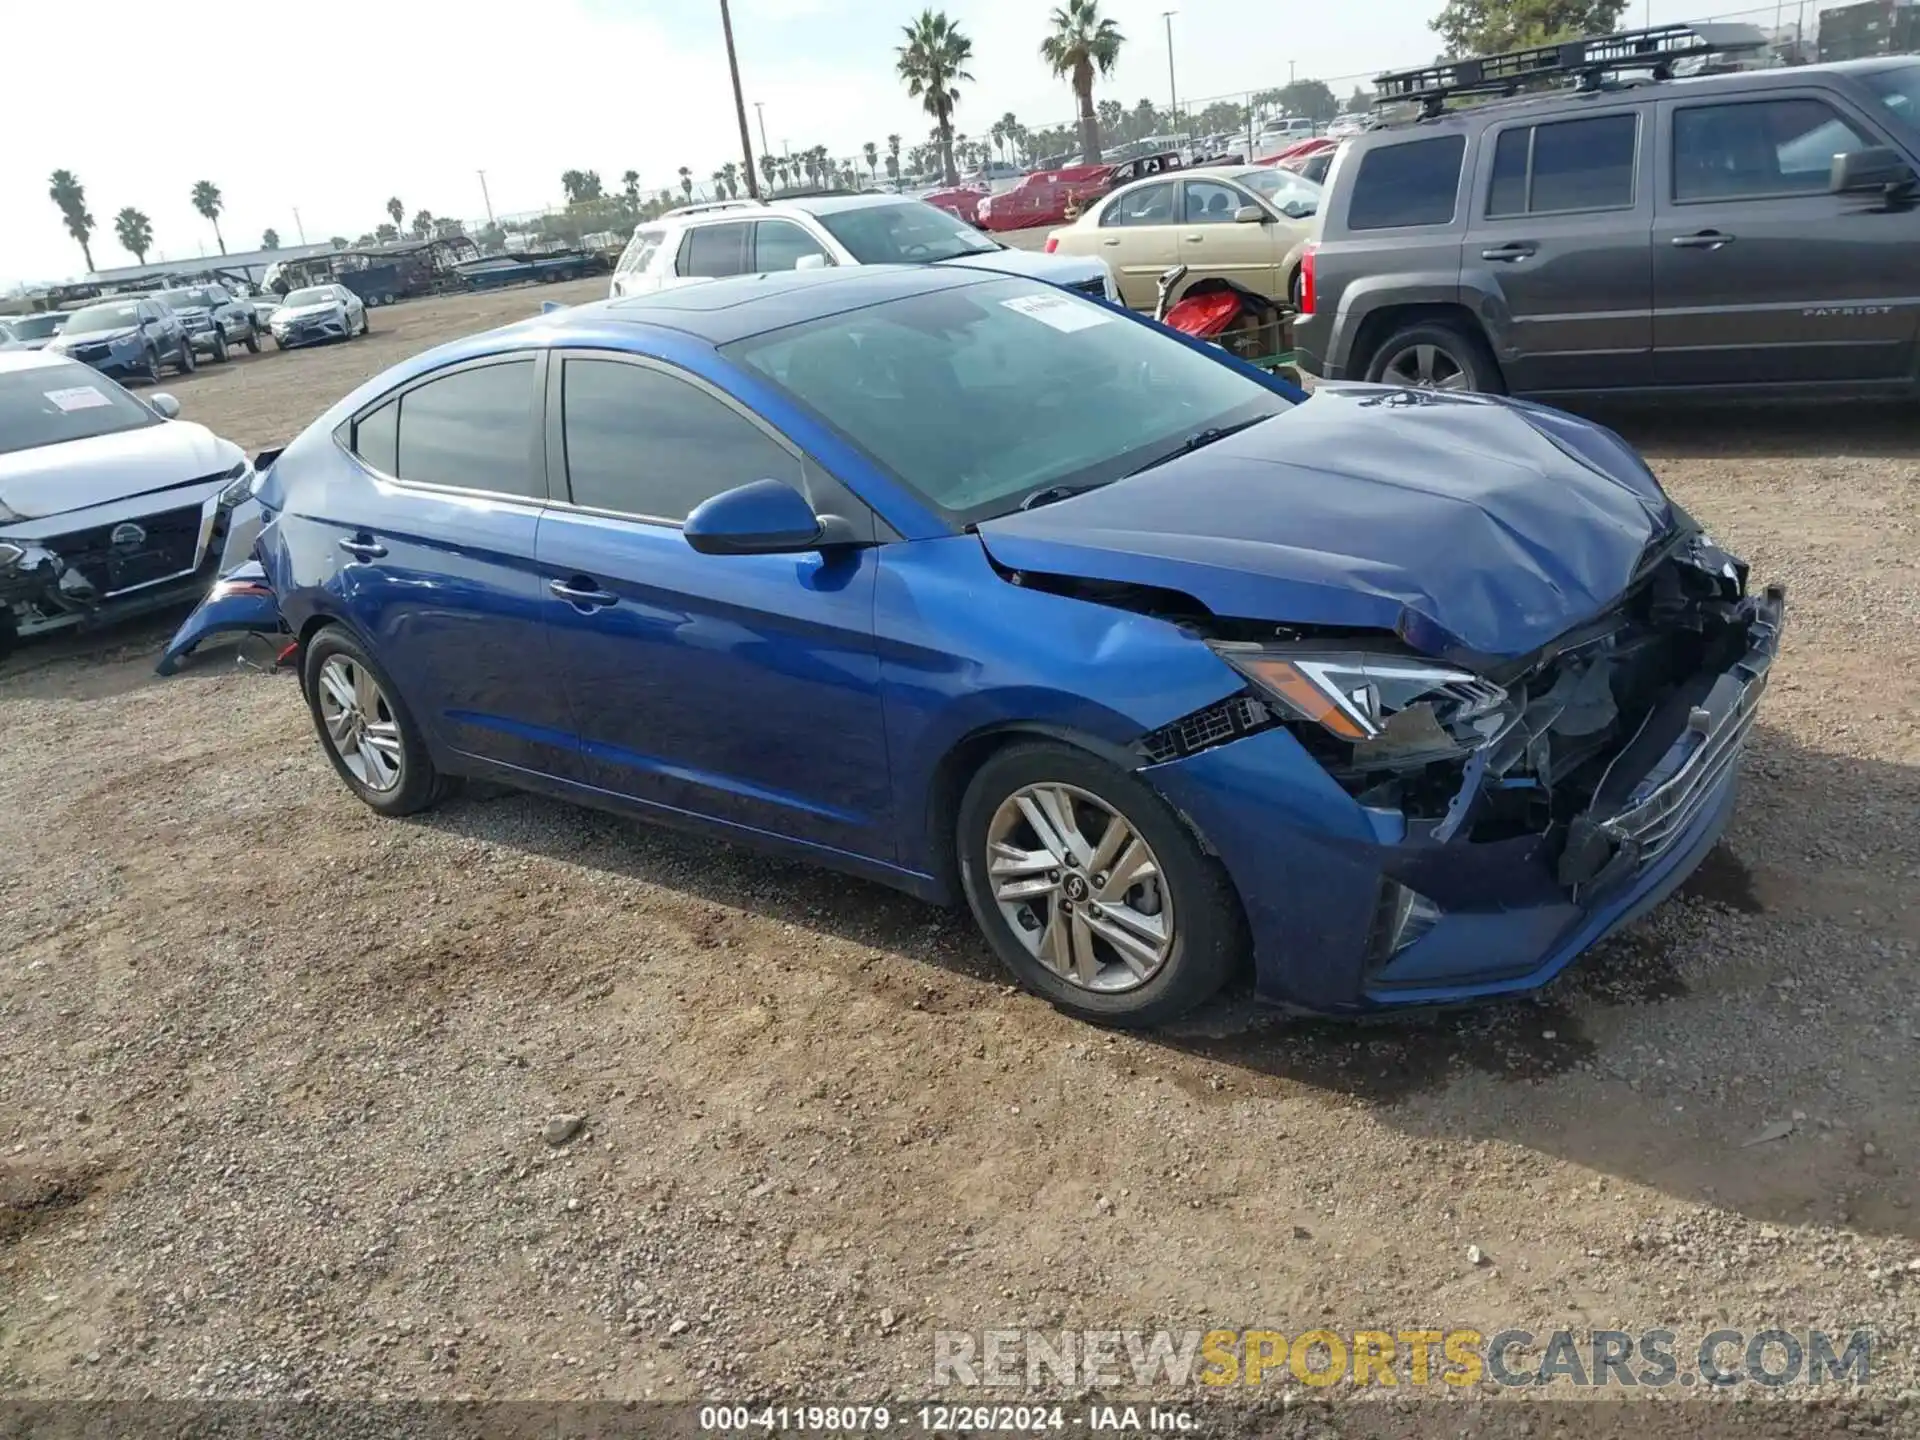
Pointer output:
x,y
1306,280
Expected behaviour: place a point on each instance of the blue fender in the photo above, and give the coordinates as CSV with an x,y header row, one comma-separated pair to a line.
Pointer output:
x,y
239,600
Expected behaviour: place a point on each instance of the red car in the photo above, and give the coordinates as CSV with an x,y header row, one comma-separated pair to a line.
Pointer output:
x,y
1052,197
962,202
1298,151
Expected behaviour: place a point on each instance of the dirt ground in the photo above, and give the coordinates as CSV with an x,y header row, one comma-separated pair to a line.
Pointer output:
x,y
273,1071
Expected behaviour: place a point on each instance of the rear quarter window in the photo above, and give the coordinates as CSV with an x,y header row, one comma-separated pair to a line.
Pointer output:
x,y
1412,183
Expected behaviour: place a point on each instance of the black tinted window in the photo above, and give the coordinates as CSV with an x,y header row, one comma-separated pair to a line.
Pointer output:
x,y
1759,149
647,443
715,250
1407,184
1570,165
376,439
473,428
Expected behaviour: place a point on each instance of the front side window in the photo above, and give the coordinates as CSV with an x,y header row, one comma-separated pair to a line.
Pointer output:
x,y
1569,165
714,251
1149,205
780,244
473,429
1210,203
644,442
1411,183
979,397
1759,149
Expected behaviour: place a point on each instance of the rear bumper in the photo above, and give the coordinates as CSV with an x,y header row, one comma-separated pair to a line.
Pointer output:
x,y
1322,880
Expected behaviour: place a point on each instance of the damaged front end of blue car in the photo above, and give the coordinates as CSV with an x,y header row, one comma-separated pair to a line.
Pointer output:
x,y
241,601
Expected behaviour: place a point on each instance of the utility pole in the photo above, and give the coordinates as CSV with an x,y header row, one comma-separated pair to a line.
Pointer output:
x,y
485,198
297,226
1290,67
1173,92
739,102
760,110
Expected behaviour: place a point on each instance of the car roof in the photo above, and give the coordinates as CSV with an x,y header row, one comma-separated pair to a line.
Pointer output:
x,y
12,360
833,204
719,311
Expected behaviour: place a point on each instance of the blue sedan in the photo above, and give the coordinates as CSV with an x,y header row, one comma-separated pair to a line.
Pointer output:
x,y
991,592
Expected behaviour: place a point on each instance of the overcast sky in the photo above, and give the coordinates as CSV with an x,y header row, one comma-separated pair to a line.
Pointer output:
x,y
332,108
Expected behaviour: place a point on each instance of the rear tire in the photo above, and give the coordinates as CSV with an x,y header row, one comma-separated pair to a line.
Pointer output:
x,y
1179,921
186,364
252,342
1436,355
365,727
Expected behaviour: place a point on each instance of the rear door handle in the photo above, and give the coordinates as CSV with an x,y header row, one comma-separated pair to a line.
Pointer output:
x,y
1513,250
1705,240
581,593
363,549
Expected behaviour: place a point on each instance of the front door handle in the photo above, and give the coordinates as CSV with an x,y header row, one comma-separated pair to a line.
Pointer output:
x,y
1194,239
1705,240
1110,240
1511,251
581,593
361,548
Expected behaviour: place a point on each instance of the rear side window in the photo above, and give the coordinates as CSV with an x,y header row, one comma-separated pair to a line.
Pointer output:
x,y
473,428
1413,183
1569,165
1757,150
714,250
1149,205
641,249
646,443
376,439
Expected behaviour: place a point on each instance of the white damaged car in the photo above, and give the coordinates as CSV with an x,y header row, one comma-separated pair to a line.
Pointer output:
x,y
109,505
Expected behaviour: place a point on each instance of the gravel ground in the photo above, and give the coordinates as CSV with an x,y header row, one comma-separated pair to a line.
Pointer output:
x,y
276,1072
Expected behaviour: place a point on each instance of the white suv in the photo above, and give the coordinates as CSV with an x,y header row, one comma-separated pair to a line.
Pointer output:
x,y
751,237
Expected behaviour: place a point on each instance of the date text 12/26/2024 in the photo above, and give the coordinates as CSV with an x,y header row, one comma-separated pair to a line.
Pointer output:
x,y
946,1419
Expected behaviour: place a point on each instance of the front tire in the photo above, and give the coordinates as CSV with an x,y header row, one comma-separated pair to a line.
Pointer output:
x,y
1436,355
1091,890
153,366
366,729
219,347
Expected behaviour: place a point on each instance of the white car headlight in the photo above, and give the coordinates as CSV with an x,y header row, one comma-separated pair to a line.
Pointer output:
x,y
239,487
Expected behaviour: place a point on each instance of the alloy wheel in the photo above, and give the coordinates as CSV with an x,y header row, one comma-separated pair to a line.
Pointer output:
x,y
1079,887
1426,367
360,724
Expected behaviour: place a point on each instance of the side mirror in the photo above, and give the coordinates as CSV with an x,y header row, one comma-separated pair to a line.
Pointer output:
x,y
811,262
762,517
165,406
1249,215
1878,167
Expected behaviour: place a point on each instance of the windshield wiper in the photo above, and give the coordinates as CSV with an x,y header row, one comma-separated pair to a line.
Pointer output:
x,y
1201,439
1046,495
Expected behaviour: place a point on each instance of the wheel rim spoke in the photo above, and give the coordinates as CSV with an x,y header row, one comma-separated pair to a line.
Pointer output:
x,y
1136,863
338,685
1423,360
1054,949
1086,960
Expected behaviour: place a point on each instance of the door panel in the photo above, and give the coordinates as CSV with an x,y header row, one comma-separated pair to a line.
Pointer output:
x,y
743,688
1213,245
1139,239
1759,275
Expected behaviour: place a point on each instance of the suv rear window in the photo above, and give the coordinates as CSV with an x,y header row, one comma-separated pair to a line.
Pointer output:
x,y
1570,165
714,250
1408,184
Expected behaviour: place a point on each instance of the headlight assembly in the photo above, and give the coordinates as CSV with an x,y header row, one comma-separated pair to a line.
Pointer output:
x,y
9,554
1390,709
239,487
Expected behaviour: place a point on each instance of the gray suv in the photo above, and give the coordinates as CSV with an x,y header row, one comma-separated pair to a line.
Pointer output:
x,y
1737,233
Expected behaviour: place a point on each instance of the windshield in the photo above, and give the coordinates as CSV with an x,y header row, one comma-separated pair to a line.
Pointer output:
x,y
1279,186
103,317
310,297
51,404
1899,92
909,233
981,397
35,327
189,299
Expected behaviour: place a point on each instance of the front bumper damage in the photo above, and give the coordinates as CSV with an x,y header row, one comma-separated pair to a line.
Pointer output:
x,y
117,560
1558,831
311,331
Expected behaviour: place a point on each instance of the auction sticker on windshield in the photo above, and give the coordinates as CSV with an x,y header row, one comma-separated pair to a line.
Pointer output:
x,y
77,397
1058,311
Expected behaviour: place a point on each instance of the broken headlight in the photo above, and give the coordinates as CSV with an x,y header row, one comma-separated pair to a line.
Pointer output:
x,y
1390,709
239,485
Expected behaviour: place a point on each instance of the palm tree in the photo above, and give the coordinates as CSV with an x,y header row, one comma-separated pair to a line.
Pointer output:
x,y
270,240
769,167
1081,43
730,172
422,224
71,196
893,158
1009,131
397,211
686,182
719,179
872,153
933,59
206,199
135,233
386,233
630,187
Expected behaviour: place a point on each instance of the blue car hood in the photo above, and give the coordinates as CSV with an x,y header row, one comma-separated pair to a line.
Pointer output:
x,y
1478,529
97,337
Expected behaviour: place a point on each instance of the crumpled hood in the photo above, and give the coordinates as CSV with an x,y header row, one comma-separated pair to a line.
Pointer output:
x,y
1478,529
1056,269
78,474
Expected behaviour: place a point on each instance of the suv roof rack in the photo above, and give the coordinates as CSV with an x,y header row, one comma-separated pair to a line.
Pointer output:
x,y
1588,63
700,207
